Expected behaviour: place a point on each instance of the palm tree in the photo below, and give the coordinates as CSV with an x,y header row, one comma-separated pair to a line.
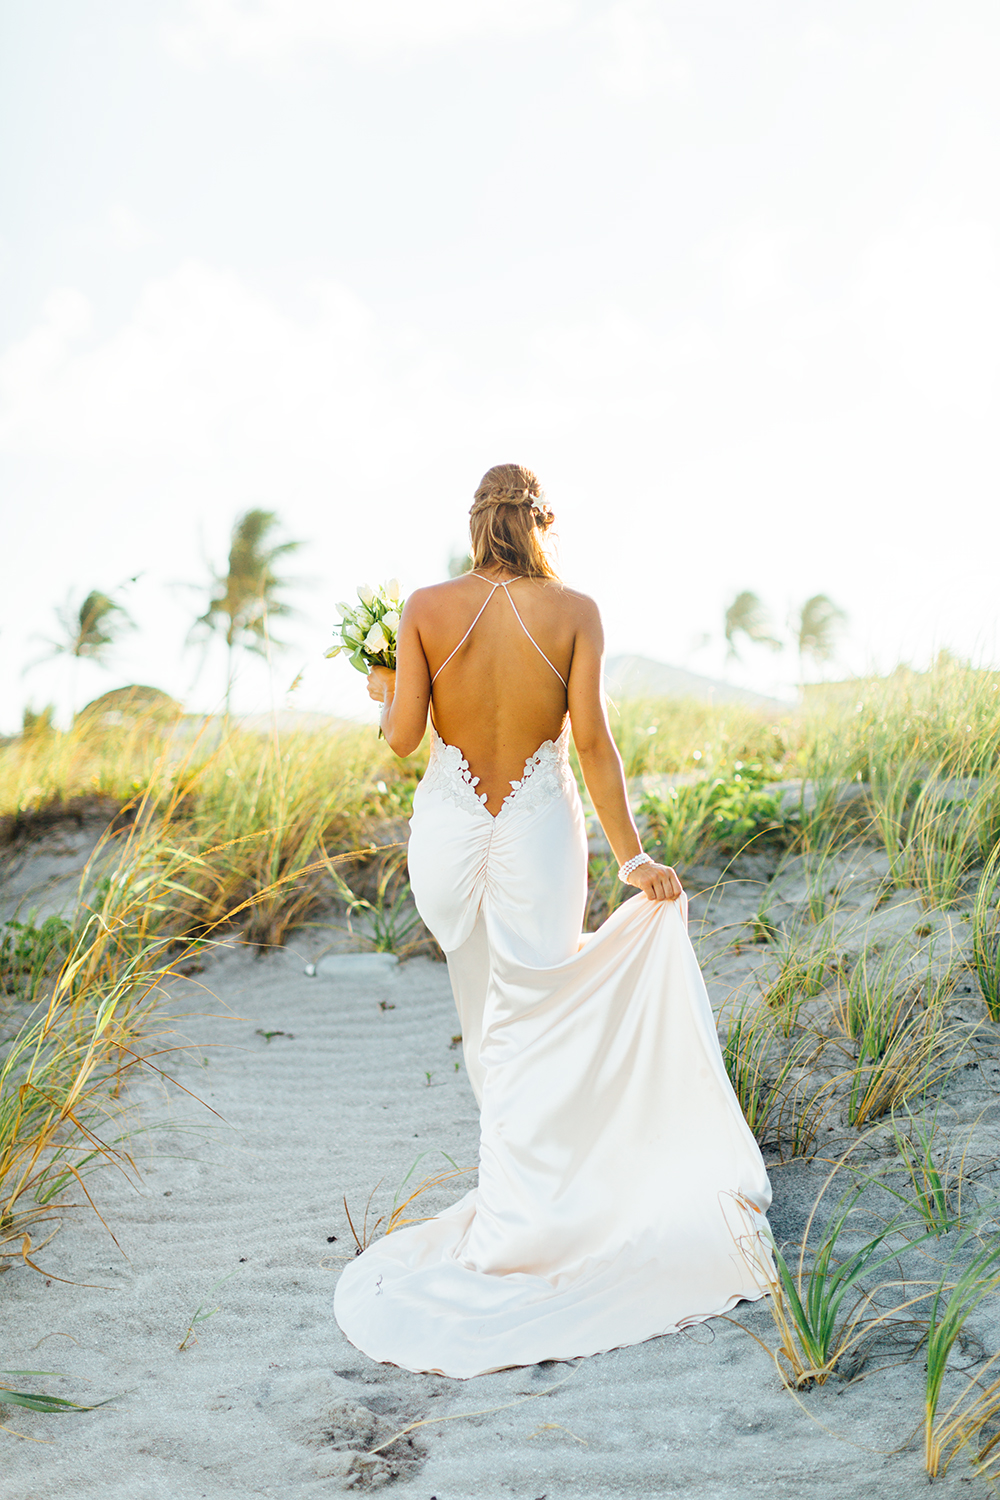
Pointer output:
x,y
820,622
459,563
246,597
747,616
91,630
88,633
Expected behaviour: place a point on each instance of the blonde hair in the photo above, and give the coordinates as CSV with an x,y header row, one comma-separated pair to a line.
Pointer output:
x,y
508,518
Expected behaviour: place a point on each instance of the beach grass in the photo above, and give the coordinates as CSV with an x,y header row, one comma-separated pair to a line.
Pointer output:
x,y
239,833
212,830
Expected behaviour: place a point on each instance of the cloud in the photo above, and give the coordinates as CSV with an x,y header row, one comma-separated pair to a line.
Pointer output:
x,y
927,302
135,450
757,438
757,262
271,30
126,231
204,366
635,53
28,365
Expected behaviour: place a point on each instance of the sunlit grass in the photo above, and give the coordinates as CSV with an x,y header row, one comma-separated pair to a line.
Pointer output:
x,y
986,934
951,1306
238,833
184,859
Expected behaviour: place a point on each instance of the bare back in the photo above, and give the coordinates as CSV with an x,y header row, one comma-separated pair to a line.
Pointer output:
x,y
504,663
503,692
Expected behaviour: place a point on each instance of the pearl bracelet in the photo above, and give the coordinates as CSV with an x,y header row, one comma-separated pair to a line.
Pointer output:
x,y
633,864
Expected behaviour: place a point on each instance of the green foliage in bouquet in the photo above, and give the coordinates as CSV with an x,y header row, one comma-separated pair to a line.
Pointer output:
x,y
367,631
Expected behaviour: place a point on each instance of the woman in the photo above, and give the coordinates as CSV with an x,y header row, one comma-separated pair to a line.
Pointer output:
x,y
620,1189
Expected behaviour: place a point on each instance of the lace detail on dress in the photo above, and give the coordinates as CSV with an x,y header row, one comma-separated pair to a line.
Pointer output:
x,y
448,773
546,774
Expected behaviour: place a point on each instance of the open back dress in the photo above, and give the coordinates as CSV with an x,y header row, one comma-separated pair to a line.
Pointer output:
x,y
621,1193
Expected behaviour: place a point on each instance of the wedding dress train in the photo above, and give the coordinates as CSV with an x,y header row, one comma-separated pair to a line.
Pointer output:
x,y
619,1184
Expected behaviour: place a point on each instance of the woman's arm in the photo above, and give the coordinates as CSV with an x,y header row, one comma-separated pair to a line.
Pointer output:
x,y
600,762
405,693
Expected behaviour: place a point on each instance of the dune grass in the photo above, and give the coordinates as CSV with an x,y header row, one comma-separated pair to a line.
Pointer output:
x,y
217,836
659,736
951,1306
72,1037
986,933
826,1308
231,832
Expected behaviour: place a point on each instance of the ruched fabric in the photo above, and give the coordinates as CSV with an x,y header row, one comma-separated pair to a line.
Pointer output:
x,y
621,1194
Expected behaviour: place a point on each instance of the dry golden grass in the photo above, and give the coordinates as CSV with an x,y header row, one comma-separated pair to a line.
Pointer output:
x,y
240,831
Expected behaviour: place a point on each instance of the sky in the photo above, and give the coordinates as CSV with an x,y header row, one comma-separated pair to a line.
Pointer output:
x,y
723,273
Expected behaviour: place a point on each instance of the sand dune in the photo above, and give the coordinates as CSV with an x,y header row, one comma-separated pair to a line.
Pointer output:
x,y
359,1078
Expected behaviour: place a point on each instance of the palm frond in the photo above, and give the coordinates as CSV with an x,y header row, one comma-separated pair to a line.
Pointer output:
x,y
747,616
819,624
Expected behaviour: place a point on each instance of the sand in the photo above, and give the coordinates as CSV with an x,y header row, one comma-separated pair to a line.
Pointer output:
x,y
357,1079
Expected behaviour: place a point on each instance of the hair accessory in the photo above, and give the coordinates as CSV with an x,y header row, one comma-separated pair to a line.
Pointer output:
x,y
633,864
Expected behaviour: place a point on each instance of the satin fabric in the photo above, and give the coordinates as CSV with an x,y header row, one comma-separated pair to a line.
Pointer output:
x,y
620,1189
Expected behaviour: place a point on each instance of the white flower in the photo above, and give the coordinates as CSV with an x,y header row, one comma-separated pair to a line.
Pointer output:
x,y
391,589
345,611
375,640
390,621
333,651
365,594
353,634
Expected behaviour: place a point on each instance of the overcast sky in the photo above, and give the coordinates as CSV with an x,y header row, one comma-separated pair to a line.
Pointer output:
x,y
723,272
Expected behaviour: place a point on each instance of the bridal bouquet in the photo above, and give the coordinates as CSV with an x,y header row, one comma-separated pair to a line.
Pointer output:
x,y
367,631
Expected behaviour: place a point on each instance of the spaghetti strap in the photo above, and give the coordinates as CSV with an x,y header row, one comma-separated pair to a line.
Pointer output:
x,y
489,596
531,638
465,637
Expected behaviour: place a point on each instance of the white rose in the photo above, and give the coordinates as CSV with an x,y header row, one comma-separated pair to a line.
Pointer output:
x,y
365,594
390,621
375,640
392,589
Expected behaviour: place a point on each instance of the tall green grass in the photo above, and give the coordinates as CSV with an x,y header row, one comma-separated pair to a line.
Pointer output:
x,y
74,1035
663,736
235,833
239,831
986,934
260,817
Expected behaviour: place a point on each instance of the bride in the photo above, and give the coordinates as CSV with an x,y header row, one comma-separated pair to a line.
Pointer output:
x,y
619,1185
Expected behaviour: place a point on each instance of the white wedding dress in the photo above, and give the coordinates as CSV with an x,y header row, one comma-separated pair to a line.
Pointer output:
x,y
621,1193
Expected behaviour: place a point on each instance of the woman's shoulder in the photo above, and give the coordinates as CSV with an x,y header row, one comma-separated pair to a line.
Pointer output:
x,y
440,599
581,606
448,589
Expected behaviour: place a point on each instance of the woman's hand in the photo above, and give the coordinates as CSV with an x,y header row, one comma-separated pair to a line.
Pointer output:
x,y
657,882
381,684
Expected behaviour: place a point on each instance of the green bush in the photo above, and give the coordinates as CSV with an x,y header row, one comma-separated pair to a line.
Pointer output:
x,y
726,812
27,952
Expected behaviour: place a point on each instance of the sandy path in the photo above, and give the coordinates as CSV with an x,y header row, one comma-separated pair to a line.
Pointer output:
x,y
271,1400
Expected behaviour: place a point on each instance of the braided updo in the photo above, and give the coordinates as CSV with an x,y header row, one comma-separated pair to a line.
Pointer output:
x,y
507,521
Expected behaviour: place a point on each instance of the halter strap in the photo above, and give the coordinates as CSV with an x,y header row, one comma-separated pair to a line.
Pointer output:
x,y
489,596
471,628
528,633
